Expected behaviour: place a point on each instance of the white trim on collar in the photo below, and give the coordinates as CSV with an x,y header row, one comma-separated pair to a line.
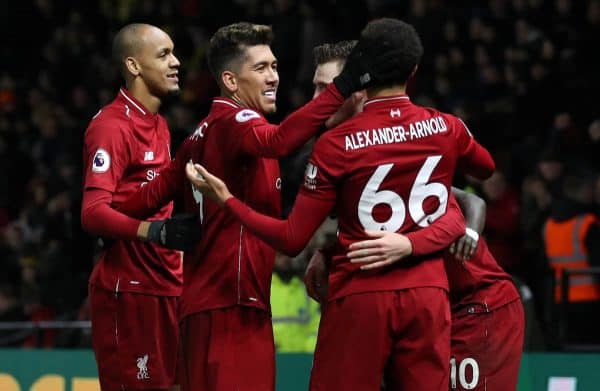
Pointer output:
x,y
226,102
385,99
132,102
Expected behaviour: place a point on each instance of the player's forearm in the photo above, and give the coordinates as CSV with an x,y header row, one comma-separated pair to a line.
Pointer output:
x,y
473,208
278,141
287,236
152,196
98,218
439,235
478,162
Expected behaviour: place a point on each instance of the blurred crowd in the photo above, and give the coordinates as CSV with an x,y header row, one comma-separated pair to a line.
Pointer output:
x,y
521,73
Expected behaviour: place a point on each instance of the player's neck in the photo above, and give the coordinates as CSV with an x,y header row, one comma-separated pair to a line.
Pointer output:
x,y
141,93
386,91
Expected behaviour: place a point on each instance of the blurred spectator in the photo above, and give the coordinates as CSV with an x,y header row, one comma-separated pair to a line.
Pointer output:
x,y
502,221
572,241
295,315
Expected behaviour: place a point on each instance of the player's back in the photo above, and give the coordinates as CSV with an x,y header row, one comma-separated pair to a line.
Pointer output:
x,y
392,168
479,280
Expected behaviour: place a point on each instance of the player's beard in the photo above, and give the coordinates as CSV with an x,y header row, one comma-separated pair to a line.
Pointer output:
x,y
172,95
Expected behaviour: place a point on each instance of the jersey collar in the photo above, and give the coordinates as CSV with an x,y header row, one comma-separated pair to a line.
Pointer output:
x,y
223,101
386,101
133,105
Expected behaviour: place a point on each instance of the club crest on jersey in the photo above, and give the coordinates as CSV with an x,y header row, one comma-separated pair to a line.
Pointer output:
x,y
310,176
246,115
101,161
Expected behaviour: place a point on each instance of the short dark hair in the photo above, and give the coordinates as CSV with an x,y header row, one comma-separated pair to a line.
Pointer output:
x,y
389,34
228,44
127,42
333,51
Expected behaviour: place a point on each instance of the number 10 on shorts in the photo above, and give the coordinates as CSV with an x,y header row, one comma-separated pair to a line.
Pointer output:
x,y
462,369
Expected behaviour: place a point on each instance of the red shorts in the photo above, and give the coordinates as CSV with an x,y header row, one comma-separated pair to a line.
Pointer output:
x,y
487,348
135,339
402,336
227,349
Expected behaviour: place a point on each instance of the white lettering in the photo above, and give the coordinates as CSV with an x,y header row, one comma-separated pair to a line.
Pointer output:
x,y
395,134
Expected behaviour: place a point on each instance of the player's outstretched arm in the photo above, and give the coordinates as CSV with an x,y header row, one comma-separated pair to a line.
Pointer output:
x,y
161,190
361,69
389,247
473,208
288,236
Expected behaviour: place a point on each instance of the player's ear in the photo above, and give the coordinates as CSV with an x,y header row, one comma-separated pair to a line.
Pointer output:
x,y
133,66
229,80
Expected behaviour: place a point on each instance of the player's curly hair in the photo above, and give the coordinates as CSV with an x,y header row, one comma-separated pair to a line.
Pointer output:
x,y
389,34
333,51
227,45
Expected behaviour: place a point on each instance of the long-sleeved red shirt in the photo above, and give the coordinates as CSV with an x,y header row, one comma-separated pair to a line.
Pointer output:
x,y
231,266
125,147
479,280
388,168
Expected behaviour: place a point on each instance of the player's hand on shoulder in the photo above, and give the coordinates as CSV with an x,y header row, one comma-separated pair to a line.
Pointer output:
x,y
385,249
206,183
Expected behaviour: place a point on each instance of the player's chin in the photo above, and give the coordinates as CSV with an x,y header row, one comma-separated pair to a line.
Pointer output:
x,y
174,91
269,107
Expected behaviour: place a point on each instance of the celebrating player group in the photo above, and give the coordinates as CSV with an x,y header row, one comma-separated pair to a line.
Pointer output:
x,y
411,297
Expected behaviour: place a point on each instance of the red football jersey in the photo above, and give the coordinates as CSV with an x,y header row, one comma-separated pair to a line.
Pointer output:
x,y
479,280
231,266
125,147
388,168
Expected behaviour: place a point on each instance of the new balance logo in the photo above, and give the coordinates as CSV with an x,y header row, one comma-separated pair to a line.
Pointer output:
x,y
142,364
148,155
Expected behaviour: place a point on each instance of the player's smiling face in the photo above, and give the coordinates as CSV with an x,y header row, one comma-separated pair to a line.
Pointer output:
x,y
257,79
159,65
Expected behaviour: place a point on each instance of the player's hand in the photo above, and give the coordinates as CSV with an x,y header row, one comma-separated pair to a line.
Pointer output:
x,y
464,248
363,67
180,232
316,277
386,249
206,183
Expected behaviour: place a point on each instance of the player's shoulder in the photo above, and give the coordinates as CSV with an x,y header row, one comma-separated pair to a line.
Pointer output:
x,y
234,114
109,120
333,140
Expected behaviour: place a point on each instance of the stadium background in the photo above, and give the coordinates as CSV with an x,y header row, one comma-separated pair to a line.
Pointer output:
x,y
522,73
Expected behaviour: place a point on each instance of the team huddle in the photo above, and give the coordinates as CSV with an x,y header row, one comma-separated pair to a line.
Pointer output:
x,y
411,297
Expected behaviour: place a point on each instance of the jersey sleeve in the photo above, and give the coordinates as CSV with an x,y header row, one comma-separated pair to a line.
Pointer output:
x,y
441,233
473,159
99,218
163,189
323,170
106,155
288,236
257,137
